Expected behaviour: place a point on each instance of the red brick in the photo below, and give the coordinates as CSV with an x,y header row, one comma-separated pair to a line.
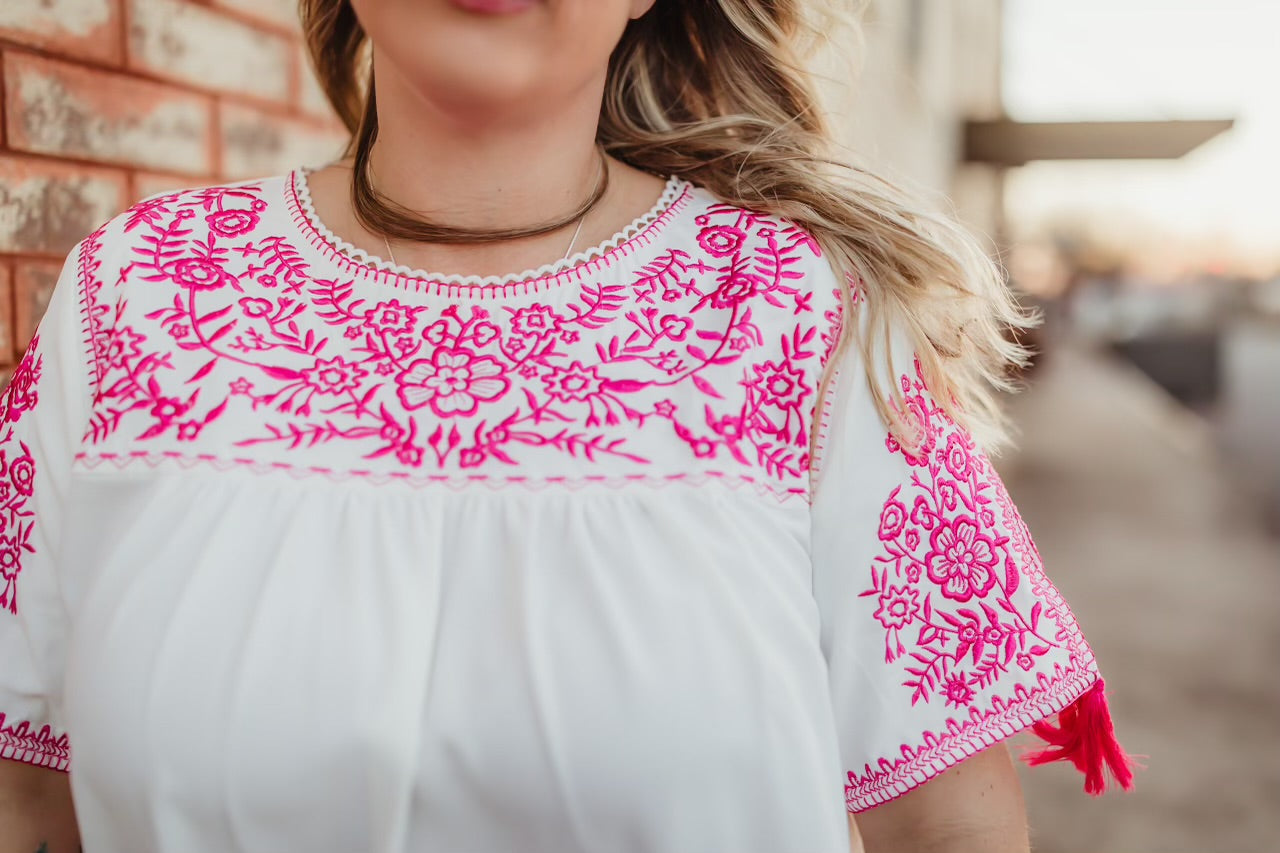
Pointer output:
x,y
88,29
256,143
33,283
48,207
146,184
70,111
7,353
202,47
279,13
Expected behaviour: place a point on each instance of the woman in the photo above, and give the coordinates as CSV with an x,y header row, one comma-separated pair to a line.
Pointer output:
x,y
681,540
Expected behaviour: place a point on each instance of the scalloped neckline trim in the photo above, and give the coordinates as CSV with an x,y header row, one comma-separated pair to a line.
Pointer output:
x,y
673,195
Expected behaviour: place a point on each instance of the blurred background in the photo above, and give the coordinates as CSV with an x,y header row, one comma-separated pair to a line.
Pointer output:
x,y
1118,156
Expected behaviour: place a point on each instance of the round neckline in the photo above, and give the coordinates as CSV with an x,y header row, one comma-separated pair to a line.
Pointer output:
x,y
355,260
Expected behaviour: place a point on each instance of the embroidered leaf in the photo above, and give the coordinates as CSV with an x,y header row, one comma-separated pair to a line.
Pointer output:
x,y
624,385
204,371
928,634
215,412
221,332
1035,614
704,386
1011,576
280,372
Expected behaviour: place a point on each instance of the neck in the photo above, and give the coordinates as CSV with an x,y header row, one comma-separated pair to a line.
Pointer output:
x,y
460,167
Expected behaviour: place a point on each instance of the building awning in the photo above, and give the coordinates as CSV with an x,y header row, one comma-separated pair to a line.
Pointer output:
x,y
1013,143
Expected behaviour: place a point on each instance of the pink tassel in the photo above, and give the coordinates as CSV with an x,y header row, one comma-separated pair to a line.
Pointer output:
x,y
1086,737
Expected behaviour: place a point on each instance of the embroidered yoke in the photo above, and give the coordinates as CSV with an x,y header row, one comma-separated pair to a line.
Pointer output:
x,y
303,551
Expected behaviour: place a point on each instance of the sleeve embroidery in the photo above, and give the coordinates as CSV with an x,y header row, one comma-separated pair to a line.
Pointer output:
x,y
17,475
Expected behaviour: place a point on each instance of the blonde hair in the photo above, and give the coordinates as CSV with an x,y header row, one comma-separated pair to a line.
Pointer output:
x,y
718,92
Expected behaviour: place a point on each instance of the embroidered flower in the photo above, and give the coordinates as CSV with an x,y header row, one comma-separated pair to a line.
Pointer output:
x,y
167,408
664,408
22,472
956,456
21,394
1026,662
729,428
957,691
898,606
437,332
178,330
231,223
781,385
919,425
123,345
409,455
241,386
452,381
333,376
736,288
252,306
535,320
893,517
674,326
198,274
572,383
189,430
485,332
961,560
703,448
10,558
721,240
912,539
392,317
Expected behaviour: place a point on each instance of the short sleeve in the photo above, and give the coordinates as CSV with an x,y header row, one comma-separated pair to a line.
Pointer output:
x,y
941,631
42,415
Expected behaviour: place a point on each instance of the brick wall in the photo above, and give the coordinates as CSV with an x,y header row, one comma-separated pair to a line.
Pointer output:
x,y
103,102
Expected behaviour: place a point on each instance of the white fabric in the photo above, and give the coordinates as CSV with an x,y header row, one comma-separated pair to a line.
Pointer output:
x,y
320,555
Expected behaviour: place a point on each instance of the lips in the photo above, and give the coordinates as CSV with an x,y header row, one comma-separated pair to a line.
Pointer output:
x,y
494,7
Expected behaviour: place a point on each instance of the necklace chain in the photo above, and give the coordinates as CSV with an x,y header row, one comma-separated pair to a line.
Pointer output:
x,y
604,166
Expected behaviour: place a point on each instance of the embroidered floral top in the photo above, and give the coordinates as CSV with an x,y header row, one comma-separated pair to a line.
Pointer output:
x,y
303,551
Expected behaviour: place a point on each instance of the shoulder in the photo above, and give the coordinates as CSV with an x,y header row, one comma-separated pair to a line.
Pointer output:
x,y
162,228
183,235
228,209
762,250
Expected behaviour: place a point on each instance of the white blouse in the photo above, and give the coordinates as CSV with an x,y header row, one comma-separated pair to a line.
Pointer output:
x,y
305,552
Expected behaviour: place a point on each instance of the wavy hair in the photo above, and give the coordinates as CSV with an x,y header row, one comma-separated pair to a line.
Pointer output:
x,y
719,92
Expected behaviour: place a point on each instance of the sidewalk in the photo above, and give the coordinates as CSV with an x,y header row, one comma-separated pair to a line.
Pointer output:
x,y
1177,586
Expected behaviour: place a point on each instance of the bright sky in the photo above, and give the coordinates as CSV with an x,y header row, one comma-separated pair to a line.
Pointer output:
x,y
1154,59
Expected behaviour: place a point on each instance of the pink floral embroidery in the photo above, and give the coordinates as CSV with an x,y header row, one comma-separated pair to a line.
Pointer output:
x,y
17,474
954,552
970,629
453,381
309,360
20,742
